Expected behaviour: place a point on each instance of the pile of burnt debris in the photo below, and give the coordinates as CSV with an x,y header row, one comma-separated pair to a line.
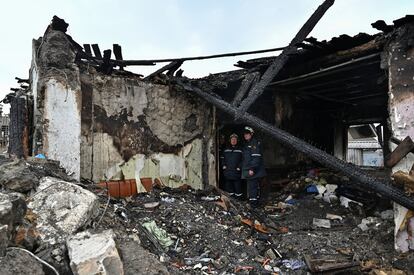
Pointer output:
x,y
315,221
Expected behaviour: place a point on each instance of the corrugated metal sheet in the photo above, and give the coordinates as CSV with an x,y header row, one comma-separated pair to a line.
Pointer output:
x,y
355,156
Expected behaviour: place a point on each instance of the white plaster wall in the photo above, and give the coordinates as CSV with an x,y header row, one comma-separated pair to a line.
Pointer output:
x,y
173,169
62,136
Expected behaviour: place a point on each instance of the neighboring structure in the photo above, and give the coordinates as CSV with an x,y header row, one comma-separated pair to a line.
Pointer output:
x,y
364,149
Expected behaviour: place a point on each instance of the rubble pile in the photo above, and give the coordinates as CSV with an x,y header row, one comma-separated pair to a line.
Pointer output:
x,y
64,227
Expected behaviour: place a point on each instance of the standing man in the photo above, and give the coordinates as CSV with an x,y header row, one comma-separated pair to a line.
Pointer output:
x,y
232,167
253,169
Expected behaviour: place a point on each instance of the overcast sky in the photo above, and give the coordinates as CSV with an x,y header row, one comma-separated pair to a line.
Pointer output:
x,y
176,28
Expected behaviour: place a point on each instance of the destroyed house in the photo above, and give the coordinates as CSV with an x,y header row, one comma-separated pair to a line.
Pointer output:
x,y
120,125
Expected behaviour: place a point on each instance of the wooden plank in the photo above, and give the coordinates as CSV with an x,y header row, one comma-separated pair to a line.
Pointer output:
x,y
281,59
325,263
249,81
400,152
117,51
118,54
174,64
87,49
96,51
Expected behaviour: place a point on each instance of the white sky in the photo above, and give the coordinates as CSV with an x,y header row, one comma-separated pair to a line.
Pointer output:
x,y
176,28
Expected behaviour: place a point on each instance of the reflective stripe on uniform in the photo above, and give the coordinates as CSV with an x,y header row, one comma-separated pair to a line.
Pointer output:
x,y
238,195
256,155
238,151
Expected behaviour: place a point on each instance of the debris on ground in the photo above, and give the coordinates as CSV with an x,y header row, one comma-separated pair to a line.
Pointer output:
x,y
76,227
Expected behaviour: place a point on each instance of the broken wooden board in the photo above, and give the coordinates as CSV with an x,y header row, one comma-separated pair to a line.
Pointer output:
x,y
323,263
400,152
281,59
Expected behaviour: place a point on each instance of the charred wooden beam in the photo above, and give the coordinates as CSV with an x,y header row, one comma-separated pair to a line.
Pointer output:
x,y
359,62
249,81
179,72
173,65
19,127
106,66
397,141
96,51
138,62
21,80
118,54
405,147
281,60
87,49
153,61
382,187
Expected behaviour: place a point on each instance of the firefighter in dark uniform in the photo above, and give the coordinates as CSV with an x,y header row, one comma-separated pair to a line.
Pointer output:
x,y
253,169
232,167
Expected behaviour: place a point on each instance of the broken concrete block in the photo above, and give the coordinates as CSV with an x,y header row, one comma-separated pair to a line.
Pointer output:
x,y
17,176
94,254
62,208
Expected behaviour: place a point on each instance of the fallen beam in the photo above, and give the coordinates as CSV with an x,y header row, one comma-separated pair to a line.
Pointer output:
x,y
405,147
249,81
281,59
397,141
383,188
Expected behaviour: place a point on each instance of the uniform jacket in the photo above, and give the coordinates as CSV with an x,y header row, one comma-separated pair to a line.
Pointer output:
x,y
253,160
233,161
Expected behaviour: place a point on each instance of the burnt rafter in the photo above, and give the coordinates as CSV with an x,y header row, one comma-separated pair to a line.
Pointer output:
x,y
343,67
281,59
152,62
171,68
248,81
382,187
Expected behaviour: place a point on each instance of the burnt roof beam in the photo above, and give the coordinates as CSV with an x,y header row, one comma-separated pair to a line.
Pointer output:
x,y
281,59
330,70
